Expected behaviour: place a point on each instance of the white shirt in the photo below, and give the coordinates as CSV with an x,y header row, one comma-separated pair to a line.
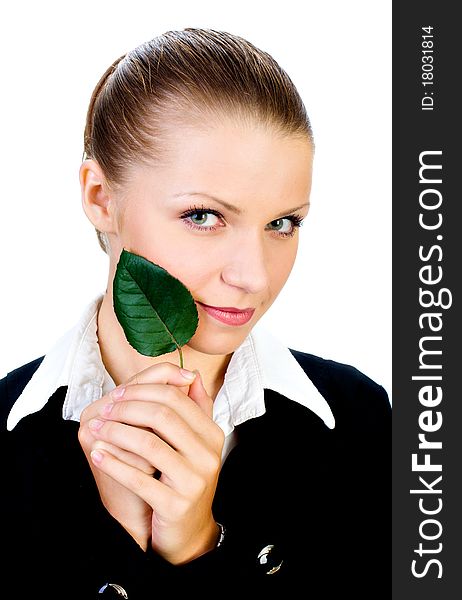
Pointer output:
x,y
261,361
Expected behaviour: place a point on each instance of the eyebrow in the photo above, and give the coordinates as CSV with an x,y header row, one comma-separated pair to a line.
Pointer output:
x,y
235,209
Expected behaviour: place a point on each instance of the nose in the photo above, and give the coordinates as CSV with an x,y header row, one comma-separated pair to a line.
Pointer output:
x,y
246,265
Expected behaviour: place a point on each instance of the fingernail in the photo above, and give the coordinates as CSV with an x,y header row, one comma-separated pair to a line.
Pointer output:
x,y
187,374
118,392
106,410
96,456
95,424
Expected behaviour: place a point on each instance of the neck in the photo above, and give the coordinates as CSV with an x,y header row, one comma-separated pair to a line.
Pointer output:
x,y
122,361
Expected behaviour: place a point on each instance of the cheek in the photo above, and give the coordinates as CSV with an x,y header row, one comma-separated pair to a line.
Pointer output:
x,y
194,277
280,267
183,262
162,244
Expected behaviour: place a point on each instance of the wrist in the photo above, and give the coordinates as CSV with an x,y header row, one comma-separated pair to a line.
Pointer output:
x,y
211,539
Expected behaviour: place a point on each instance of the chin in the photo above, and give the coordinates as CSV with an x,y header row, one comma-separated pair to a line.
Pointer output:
x,y
218,340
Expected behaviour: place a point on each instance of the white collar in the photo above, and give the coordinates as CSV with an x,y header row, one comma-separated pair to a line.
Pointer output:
x,y
261,361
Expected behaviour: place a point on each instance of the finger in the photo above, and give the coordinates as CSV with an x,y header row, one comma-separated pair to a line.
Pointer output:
x,y
164,372
94,408
129,458
169,396
199,394
88,443
161,419
156,494
151,448
161,373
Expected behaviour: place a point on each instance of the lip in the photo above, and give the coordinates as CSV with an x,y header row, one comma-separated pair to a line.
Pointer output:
x,y
228,314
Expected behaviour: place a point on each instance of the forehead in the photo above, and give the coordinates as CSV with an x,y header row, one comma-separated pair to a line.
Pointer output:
x,y
258,170
246,164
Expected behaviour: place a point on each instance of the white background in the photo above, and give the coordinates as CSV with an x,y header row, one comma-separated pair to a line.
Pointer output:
x,y
337,301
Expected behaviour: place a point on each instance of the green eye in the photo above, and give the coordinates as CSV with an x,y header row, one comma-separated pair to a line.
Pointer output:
x,y
294,222
193,218
198,218
202,220
279,225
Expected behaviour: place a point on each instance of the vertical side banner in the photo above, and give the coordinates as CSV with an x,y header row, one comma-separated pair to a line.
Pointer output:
x,y
427,356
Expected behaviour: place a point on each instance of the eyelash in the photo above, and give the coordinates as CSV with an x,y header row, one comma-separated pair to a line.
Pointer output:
x,y
296,220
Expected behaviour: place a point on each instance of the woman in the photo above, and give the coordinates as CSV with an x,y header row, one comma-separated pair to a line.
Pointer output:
x,y
258,468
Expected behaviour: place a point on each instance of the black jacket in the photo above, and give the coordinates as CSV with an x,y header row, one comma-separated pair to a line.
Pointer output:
x,y
319,497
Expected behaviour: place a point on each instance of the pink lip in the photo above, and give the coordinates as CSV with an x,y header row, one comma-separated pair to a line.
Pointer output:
x,y
228,314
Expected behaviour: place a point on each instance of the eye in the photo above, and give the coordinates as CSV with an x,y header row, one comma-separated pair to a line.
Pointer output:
x,y
286,226
202,219
282,227
208,219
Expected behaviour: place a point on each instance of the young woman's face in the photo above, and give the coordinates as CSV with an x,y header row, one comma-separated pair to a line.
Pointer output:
x,y
219,216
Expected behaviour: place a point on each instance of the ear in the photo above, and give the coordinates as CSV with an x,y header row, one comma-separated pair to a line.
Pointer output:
x,y
97,202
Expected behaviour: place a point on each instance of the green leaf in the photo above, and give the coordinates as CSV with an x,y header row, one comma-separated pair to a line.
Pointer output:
x,y
156,311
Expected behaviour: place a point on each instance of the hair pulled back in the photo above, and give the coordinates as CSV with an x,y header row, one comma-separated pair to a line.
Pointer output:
x,y
179,77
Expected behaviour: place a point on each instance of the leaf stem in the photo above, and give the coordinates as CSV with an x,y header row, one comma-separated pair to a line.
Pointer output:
x,y
181,357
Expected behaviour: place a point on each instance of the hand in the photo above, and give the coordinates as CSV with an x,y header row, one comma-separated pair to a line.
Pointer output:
x,y
155,425
131,511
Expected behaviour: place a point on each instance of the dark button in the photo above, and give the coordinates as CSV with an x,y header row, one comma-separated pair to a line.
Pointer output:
x,y
269,560
113,590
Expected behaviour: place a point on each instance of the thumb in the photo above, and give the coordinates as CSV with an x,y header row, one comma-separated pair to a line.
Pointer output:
x,y
198,393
